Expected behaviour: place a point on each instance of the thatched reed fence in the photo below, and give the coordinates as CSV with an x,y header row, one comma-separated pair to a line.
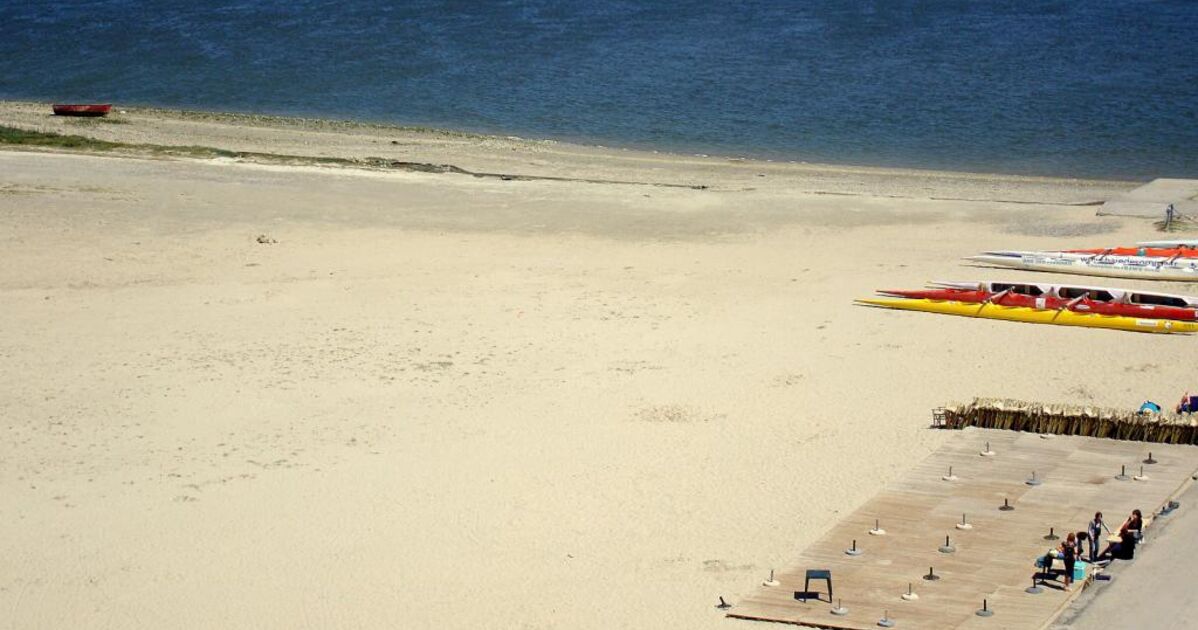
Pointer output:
x,y
1117,424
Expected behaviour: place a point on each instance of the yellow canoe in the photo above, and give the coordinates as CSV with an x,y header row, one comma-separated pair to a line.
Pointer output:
x,y
1036,316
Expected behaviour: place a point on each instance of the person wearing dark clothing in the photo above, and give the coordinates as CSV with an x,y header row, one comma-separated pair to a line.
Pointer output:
x,y
1135,523
1127,544
1125,548
1187,404
1069,554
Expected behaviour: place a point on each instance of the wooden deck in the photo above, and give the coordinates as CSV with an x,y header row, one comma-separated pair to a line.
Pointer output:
x,y
993,560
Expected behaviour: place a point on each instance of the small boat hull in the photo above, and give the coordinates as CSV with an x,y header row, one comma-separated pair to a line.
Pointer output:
x,y
1185,242
1151,252
1035,316
1053,303
1126,295
92,110
1108,267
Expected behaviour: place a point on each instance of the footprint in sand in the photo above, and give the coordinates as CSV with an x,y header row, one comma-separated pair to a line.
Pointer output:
x,y
719,566
678,414
787,380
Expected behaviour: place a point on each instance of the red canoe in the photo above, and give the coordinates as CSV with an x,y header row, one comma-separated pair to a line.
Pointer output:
x,y
1083,304
81,110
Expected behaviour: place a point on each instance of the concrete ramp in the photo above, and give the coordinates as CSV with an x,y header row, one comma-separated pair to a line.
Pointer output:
x,y
1150,200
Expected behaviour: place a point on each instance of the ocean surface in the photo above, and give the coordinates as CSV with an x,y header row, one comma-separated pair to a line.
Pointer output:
x,y
1105,88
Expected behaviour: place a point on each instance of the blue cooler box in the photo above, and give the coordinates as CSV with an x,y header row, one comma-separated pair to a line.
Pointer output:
x,y
1080,567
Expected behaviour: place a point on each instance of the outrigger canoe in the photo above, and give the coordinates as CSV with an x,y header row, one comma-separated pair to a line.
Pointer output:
x,y
1101,300
1191,242
1071,291
1145,268
1080,304
1154,252
1036,316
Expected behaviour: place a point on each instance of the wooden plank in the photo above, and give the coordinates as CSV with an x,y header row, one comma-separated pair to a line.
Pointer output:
x,y
994,559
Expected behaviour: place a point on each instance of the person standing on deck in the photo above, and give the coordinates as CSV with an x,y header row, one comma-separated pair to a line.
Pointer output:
x,y
1069,552
1095,530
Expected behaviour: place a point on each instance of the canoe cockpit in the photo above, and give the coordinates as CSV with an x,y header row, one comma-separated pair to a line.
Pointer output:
x,y
1098,295
1157,300
1021,289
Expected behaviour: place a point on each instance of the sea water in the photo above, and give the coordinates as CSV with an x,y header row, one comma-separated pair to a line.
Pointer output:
x,y
1105,88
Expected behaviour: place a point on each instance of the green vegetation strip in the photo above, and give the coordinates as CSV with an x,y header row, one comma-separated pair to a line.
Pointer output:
x,y
11,135
23,137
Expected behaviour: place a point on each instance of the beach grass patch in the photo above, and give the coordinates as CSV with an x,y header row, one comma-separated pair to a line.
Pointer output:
x,y
24,137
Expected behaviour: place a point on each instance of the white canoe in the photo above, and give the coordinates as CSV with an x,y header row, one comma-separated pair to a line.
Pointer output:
x,y
1193,242
1141,267
1071,291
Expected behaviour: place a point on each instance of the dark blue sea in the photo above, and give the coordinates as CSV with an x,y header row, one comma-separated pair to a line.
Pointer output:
x,y
1105,88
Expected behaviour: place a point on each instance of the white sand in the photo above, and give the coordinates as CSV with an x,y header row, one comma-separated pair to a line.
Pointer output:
x,y
451,402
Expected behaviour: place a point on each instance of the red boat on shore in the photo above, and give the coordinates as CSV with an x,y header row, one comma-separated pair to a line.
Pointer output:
x,y
81,110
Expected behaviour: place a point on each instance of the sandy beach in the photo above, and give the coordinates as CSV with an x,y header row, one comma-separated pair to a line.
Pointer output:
x,y
590,388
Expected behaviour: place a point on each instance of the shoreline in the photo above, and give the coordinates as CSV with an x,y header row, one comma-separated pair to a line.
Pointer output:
x,y
25,114
617,147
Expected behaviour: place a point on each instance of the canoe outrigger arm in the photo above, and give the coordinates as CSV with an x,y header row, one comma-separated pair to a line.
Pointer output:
x,y
1074,302
993,299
